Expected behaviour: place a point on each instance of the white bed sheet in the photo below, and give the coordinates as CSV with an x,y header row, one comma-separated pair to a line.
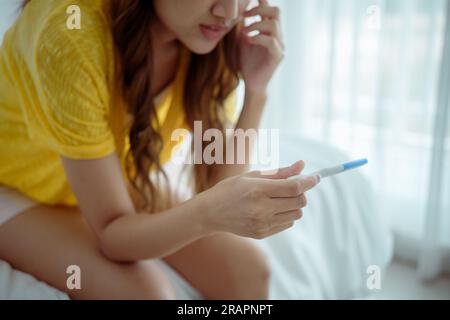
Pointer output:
x,y
324,256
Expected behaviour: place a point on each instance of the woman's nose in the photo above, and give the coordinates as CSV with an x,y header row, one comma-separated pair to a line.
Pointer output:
x,y
226,9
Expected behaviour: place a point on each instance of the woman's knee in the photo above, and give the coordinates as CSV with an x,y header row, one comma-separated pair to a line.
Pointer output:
x,y
64,234
258,276
251,279
142,280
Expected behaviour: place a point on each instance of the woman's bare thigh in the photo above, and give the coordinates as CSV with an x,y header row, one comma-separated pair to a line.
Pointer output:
x,y
224,266
44,241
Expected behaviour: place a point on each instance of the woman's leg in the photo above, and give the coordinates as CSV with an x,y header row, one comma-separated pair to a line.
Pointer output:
x,y
224,266
44,241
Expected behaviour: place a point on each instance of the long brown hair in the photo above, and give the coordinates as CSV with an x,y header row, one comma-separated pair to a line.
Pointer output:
x,y
209,81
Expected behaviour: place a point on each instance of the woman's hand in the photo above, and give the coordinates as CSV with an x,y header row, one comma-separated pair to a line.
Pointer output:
x,y
257,205
260,55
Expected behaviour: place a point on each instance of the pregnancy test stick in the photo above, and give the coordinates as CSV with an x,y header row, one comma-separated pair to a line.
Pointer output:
x,y
340,168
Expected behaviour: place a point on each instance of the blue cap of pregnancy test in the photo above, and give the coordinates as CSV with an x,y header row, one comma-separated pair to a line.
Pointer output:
x,y
354,164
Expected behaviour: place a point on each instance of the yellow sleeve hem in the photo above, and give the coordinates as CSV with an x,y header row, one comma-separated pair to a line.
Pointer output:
x,y
87,152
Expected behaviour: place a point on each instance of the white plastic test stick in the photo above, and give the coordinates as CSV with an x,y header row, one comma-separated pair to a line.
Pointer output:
x,y
340,168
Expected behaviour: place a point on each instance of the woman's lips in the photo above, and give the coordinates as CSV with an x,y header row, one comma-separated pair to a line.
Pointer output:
x,y
213,32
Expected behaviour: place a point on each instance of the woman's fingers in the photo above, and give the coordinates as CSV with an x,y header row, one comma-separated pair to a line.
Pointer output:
x,y
281,205
285,188
282,222
265,12
269,24
286,217
269,31
271,43
267,27
281,173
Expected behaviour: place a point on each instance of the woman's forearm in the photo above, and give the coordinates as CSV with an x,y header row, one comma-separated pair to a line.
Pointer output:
x,y
135,237
250,118
142,236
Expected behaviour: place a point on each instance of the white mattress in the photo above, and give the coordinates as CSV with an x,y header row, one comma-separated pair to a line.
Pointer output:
x,y
324,256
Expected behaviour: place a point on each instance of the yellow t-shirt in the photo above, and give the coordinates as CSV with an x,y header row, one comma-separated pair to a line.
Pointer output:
x,y
58,98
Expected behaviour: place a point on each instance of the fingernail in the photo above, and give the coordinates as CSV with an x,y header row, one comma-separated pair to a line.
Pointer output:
x,y
297,163
318,179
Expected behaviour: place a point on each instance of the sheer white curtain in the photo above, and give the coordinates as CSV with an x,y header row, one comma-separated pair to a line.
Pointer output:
x,y
372,78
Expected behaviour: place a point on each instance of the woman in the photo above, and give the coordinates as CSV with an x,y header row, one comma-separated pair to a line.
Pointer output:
x,y
86,113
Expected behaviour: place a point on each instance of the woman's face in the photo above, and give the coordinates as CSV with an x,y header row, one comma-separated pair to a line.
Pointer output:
x,y
200,24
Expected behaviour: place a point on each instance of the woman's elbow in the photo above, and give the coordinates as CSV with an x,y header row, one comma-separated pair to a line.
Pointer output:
x,y
113,252
113,247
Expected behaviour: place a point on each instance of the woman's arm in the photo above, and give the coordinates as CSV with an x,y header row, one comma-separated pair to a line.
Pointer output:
x,y
253,205
260,56
124,234
250,118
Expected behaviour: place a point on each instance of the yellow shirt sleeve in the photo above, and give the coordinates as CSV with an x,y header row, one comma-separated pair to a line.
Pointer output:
x,y
70,74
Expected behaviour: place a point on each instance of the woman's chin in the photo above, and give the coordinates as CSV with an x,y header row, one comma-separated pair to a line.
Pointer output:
x,y
201,47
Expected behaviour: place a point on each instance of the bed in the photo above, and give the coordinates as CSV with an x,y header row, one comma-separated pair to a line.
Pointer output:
x,y
326,255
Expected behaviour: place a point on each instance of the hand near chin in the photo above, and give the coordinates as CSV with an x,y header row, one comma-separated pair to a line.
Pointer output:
x,y
261,54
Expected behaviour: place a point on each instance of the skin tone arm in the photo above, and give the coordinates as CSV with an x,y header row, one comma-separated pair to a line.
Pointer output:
x,y
124,235
260,56
249,119
258,206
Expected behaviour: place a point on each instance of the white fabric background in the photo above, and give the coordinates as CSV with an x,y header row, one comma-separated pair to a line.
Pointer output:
x,y
371,77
